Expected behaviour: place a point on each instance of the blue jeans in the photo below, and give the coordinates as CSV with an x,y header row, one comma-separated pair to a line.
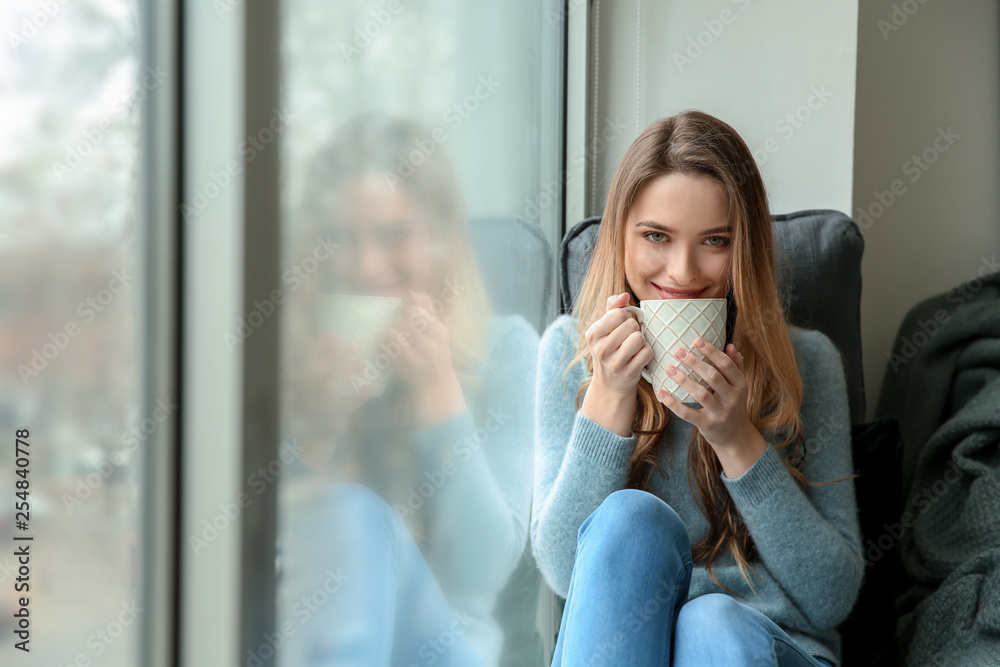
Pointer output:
x,y
357,591
626,599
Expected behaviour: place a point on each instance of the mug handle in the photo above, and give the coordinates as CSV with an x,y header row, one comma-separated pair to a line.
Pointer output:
x,y
635,311
646,375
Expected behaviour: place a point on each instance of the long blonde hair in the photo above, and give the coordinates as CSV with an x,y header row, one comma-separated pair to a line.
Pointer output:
x,y
697,144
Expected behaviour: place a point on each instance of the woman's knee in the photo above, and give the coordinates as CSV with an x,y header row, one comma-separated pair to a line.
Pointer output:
x,y
716,626
633,520
631,511
711,609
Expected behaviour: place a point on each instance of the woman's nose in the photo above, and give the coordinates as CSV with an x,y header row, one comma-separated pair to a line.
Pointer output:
x,y
682,267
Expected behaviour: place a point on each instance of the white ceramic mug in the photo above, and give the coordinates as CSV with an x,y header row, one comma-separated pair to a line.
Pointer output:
x,y
671,323
361,320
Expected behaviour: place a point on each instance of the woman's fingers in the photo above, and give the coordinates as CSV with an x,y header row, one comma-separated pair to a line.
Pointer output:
x,y
608,346
632,343
690,415
607,323
617,301
639,359
721,364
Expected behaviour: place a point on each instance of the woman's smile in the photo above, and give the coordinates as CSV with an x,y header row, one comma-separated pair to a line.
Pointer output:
x,y
665,293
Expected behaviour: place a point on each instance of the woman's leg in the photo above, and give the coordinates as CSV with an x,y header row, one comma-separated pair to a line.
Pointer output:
x,y
632,572
357,591
717,629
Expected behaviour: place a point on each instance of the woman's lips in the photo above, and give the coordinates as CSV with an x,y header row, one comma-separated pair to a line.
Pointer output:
x,y
664,294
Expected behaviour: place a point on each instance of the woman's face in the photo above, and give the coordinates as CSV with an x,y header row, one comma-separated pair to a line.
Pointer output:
x,y
384,241
677,239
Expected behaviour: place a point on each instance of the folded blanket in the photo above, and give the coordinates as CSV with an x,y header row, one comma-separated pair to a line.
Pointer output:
x,y
943,384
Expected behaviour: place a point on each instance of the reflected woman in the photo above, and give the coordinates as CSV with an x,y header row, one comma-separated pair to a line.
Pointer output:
x,y
417,509
693,534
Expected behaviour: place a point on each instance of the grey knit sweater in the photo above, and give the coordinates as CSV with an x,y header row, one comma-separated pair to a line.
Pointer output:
x,y
809,541
942,382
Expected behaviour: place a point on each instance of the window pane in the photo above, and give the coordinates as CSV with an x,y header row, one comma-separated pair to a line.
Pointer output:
x,y
69,113
422,197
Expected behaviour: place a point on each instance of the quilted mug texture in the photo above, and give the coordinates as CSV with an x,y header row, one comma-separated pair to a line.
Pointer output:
x,y
671,323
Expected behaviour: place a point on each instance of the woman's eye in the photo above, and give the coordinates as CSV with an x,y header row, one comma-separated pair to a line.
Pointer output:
x,y
656,237
722,241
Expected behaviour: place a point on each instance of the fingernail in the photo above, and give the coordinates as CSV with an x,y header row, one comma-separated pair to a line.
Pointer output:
x,y
671,370
699,342
681,353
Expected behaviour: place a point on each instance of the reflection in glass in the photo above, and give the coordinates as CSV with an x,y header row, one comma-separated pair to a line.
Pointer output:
x,y
411,405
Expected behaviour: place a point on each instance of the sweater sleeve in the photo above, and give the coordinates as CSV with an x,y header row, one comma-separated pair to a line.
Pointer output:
x,y
478,473
809,539
578,463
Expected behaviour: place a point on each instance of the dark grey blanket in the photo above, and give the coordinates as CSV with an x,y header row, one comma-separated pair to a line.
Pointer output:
x,y
943,384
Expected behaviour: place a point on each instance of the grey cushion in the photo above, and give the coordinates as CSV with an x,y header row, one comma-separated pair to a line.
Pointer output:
x,y
819,278
515,260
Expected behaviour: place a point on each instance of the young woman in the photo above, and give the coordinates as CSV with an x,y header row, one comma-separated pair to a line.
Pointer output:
x,y
755,474
417,508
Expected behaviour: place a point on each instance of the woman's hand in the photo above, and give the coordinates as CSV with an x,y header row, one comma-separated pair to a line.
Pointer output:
x,y
723,418
421,345
619,349
620,352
